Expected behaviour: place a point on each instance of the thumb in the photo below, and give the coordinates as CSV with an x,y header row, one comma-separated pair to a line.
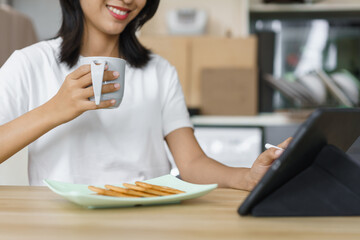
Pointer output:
x,y
285,143
268,157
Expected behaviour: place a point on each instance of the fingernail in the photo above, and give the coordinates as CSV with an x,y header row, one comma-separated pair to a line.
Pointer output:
x,y
278,152
113,102
116,74
117,85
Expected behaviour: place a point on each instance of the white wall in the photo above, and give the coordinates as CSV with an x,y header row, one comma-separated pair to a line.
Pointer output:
x,y
14,171
226,16
45,14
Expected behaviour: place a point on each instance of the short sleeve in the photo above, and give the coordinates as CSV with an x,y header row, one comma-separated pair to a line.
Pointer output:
x,y
174,111
14,95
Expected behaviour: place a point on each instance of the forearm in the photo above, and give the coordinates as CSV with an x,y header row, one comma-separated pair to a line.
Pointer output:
x,y
25,129
205,170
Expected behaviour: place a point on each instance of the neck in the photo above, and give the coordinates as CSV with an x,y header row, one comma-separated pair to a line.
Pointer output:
x,y
96,43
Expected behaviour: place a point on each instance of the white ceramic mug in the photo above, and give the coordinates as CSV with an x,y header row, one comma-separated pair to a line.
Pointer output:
x,y
97,74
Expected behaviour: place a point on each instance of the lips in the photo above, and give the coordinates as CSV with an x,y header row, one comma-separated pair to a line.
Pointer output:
x,y
118,12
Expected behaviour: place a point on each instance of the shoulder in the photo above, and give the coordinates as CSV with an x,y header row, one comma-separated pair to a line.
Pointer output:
x,y
25,63
42,51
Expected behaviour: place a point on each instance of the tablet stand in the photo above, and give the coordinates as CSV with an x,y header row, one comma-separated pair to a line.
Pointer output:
x,y
328,187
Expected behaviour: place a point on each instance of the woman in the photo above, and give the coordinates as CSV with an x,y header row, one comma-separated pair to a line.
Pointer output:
x,y
44,102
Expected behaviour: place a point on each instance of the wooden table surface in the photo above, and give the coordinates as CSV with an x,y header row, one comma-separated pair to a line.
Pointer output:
x,y
37,213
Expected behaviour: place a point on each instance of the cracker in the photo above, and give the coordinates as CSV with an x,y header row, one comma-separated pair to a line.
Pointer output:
x,y
147,190
106,192
129,191
157,187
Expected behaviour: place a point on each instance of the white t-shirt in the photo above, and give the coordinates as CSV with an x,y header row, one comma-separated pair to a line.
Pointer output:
x,y
102,146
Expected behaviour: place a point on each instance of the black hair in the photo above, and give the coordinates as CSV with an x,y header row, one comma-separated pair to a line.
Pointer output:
x,y
72,30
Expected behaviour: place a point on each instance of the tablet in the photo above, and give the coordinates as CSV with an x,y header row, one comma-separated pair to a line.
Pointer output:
x,y
339,127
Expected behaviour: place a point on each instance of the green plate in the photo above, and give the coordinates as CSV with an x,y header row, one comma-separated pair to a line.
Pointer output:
x,y
81,195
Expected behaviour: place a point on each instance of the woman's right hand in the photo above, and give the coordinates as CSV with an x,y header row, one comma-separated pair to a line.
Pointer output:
x,y
72,99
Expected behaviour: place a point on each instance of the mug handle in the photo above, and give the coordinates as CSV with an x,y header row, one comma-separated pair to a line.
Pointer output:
x,y
97,74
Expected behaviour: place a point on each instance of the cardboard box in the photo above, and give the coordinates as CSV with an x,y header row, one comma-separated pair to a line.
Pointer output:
x,y
230,91
212,52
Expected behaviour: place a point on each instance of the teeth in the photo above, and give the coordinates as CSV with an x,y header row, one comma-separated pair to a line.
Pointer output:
x,y
117,11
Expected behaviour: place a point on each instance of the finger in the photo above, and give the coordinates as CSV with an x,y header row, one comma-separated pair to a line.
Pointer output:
x,y
269,156
106,104
266,158
110,75
277,152
112,87
81,71
90,105
86,80
285,143
107,88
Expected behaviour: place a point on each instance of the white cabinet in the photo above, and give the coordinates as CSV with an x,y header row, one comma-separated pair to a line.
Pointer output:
x,y
232,146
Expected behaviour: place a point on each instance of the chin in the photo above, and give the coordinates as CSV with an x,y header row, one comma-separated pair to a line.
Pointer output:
x,y
114,30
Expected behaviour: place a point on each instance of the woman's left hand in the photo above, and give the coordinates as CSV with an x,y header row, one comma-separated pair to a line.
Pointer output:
x,y
263,163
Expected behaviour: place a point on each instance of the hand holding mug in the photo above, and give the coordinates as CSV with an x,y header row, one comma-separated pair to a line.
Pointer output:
x,y
72,99
97,71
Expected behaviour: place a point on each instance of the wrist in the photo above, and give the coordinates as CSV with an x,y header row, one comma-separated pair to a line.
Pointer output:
x,y
50,115
249,181
241,179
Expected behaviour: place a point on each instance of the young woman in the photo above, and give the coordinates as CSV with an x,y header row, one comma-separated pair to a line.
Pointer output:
x,y
44,104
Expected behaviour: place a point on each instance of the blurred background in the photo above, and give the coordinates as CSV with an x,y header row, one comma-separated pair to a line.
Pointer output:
x,y
251,70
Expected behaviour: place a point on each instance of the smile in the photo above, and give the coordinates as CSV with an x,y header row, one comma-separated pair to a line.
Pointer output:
x,y
118,13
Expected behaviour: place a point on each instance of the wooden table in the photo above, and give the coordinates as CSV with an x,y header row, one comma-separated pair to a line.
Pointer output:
x,y
37,213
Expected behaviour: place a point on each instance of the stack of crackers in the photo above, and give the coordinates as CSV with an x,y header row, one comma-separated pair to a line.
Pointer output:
x,y
139,189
